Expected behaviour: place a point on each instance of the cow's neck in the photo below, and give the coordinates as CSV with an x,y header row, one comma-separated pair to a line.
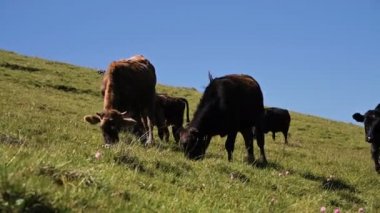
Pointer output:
x,y
202,120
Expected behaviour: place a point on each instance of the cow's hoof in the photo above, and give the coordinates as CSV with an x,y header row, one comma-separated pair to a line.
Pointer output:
x,y
149,144
377,168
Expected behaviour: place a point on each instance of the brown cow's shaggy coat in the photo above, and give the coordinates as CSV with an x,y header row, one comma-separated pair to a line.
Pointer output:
x,y
128,91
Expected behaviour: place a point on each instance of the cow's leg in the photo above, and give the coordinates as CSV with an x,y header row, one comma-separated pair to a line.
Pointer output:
x,y
285,136
160,122
150,139
147,119
286,132
166,133
230,144
261,142
144,128
248,136
160,133
143,121
175,131
150,117
375,156
163,133
138,129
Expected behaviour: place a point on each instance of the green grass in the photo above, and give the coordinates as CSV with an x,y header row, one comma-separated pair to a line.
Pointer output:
x,y
47,157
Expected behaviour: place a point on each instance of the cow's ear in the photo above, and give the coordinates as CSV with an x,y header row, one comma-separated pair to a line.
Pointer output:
x,y
100,114
210,76
92,119
126,114
377,107
129,121
358,117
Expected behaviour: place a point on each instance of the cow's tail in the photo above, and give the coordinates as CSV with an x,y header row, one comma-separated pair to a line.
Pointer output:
x,y
187,109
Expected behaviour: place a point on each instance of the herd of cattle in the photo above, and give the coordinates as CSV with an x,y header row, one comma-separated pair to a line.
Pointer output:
x,y
230,104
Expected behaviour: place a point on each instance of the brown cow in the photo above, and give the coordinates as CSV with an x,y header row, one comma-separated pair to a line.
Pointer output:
x,y
169,112
129,92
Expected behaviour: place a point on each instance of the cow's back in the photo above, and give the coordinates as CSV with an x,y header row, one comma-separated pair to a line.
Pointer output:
x,y
129,85
173,108
276,119
230,103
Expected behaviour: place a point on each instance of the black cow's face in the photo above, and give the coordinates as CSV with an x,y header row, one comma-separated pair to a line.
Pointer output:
x,y
192,143
371,120
111,123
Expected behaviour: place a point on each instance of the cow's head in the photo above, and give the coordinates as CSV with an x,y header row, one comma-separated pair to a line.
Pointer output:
x,y
111,123
193,143
371,120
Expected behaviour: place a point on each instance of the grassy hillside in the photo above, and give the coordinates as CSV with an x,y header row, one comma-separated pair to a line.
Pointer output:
x,y
47,157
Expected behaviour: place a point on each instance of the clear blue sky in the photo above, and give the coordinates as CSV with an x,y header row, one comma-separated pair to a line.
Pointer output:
x,y
315,57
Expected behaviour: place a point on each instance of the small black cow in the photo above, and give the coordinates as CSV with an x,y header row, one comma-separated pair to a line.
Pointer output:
x,y
277,120
169,112
371,120
230,104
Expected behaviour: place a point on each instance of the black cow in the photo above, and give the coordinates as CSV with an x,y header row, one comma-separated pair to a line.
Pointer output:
x,y
371,120
101,72
230,104
169,112
277,120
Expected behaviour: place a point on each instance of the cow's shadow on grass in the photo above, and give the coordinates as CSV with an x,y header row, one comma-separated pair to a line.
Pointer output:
x,y
344,190
330,183
10,140
233,174
267,165
295,144
19,67
176,170
133,163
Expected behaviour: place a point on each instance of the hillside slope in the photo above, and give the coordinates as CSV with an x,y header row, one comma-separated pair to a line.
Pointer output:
x,y
47,157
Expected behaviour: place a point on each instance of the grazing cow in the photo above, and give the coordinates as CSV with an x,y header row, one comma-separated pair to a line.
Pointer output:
x,y
276,120
101,72
230,104
128,91
169,112
371,120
